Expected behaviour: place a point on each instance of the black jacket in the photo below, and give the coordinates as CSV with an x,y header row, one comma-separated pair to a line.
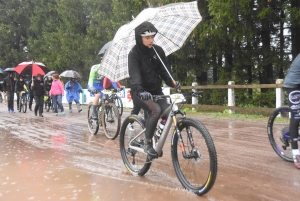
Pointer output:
x,y
38,88
19,86
146,71
9,84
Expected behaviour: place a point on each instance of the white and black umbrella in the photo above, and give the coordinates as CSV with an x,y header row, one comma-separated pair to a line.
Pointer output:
x,y
70,74
174,23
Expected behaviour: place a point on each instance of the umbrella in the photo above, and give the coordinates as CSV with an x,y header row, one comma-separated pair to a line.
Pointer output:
x,y
31,68
9,70
104,48
1,70
174,23
70,74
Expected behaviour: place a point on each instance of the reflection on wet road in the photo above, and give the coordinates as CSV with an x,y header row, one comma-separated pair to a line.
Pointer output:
x,y
56,158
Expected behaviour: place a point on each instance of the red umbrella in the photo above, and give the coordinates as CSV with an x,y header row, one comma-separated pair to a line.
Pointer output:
x,y
31,68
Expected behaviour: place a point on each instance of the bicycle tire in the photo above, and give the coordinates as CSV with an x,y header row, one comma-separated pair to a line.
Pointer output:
x,y
92,124
118,102
136,163
24,104
278,121
111,121
48,105
204,162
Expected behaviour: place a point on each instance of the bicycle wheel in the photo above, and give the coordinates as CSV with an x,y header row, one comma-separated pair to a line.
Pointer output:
x,y
136,162
111,121
278,127
118,102
24,104
48,105
92,124
197,171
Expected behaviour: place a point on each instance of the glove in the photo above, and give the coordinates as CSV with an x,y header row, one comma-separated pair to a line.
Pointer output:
x,y
144,95
80,91
93,90
177,85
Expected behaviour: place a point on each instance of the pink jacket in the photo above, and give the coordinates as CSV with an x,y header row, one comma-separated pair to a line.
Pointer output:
x,y
56,88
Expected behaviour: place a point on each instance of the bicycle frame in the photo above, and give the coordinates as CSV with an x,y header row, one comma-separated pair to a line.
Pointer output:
x,y
173,109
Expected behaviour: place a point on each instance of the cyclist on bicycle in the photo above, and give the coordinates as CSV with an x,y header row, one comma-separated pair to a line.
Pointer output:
x,y
292,86
20,86
146,73
96,84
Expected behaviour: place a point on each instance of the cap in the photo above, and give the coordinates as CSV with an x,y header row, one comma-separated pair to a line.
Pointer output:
x,y
148,33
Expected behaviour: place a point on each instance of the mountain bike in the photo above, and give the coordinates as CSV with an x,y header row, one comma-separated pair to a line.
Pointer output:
x,y
117,100
48,102
1,99
23,102
193,152
108,117
278,133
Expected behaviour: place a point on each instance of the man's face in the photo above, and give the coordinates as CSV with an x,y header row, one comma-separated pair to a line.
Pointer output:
x,y
148,40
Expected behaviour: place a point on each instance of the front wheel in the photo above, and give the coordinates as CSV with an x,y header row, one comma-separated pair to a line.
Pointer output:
x,y
24,104
118,102
92,124
278,133
132,134
111,121
196,167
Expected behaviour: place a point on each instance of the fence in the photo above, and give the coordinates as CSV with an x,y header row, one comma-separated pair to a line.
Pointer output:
x,y
231,98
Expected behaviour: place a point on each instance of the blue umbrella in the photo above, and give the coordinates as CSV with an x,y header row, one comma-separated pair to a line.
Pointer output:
x,y
1,70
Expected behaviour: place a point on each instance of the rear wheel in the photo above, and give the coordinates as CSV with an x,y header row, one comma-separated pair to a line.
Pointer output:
x,y
111,121
92,124
196,168
278,133
136,162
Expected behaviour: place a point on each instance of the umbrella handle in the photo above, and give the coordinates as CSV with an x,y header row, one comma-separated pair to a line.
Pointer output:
x,y
174,82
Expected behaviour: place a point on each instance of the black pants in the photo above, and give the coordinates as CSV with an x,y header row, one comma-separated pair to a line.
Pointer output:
x,y
154,111
10,100
30,100
39,103
294,104
18,99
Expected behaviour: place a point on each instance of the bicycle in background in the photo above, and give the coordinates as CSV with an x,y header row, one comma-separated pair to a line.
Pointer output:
x,y
108,116
278,133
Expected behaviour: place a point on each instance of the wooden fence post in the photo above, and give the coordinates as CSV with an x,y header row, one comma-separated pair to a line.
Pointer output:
x,y
194,99
231,97
279,94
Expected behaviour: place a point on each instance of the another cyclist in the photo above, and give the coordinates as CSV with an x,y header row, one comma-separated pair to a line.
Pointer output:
x,y
96,84
292,86
48,83
146,74
20,86
73,90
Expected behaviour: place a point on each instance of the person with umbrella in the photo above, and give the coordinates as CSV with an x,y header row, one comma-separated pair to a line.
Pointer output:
x,y
38,88
20,86
146,63
9,90
73,90
31,96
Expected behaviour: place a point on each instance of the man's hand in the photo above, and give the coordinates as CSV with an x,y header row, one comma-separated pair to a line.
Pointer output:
x,y
177,86
144,95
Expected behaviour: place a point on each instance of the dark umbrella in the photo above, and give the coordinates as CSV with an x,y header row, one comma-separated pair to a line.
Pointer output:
x,y
70,74
31,68
104,48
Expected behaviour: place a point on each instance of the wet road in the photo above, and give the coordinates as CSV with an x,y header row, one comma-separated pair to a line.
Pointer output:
x,y
56,158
